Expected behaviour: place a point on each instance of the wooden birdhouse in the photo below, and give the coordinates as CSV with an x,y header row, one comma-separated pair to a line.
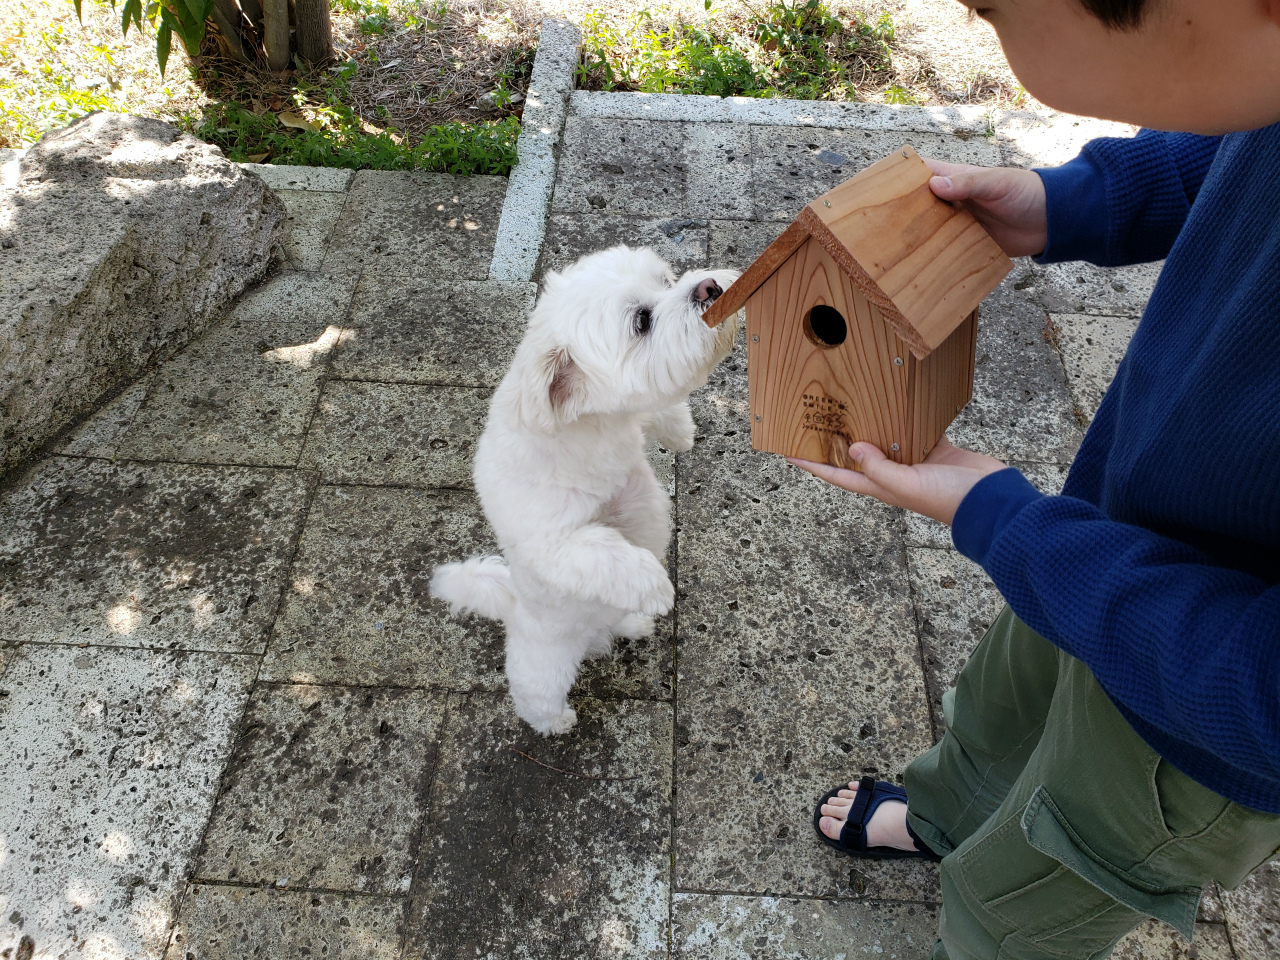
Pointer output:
x,y
862,318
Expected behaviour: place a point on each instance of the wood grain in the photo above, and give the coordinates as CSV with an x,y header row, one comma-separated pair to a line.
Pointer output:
x,y
732,300
942,383
813,401
928,264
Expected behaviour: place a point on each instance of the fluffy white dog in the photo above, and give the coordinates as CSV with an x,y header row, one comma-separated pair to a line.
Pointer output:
x,y
613,349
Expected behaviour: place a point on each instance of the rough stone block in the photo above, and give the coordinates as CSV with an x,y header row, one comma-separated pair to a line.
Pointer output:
x,y
1253,914
228,923
244,393
793,165
1021,407
680,241
418,225
520,860
138,555
631,167
735,244
956,602
282,177
1079,287
114,757
774,928
100,435
298,298
789,590
357,609
326,789
396,433
717,162
1092,348
421,331
312,209
1157,941
176,232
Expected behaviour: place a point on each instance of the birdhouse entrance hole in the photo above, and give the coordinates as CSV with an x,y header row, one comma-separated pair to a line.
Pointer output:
x,y
825,326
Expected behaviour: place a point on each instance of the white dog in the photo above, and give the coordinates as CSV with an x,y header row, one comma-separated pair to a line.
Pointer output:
x,y
613,349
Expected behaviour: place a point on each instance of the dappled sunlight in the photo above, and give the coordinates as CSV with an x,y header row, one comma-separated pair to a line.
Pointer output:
x,y
202,611
304,354
116,846
81,894
304,585
615,937
122,618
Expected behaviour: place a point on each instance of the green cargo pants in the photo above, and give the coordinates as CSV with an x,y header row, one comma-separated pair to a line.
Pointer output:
x,y
1061,829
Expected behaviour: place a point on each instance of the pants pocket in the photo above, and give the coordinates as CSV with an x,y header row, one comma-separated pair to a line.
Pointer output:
x,y
1046,895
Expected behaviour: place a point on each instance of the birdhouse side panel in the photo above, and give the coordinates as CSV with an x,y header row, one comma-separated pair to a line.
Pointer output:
x,y
942,384
810,397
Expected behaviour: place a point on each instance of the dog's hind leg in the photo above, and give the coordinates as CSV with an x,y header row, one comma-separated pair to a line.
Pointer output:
x,y
539,675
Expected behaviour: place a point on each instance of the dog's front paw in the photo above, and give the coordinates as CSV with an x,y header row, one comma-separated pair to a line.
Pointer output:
x,y
634,626
674,428
556,725
657,596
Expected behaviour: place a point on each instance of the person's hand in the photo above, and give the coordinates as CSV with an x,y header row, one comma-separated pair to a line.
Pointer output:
x,y
1007,201
933,488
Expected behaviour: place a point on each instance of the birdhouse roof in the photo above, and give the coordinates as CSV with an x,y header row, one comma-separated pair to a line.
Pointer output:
x,y
924,263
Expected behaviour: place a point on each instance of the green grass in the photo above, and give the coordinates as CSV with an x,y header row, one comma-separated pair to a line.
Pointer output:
x,y
798,49
484,147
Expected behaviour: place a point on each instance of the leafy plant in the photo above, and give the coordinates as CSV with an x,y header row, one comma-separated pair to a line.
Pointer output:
x,y
186,18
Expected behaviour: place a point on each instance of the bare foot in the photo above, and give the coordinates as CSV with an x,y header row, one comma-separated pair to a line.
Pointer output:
x,y
888,826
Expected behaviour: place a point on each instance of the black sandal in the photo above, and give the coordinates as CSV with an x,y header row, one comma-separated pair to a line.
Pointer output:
x,y
853,837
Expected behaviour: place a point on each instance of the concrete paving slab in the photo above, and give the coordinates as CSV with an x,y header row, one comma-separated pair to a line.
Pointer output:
x,y
306,248
418,225
1021,407
1083,288
718,161
100,435
140,555
1210,910
244,393
792,165
1157,941
519,860
390,433
228,923
681,241
923,532
1253,914
282,177
1092,348
113,760
293,297
774,928
631,167
312,209
956,602
422,331
357,610
735,244
1031,139
326,790
788,589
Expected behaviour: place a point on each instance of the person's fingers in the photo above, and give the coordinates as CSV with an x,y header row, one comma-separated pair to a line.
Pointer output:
x,y
971,183
849,480
880,470
944,168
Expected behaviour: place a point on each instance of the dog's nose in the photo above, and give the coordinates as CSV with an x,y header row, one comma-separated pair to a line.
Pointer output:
x,y
707,291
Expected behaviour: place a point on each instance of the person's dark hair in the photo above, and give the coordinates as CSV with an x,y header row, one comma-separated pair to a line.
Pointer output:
x,y
1121,14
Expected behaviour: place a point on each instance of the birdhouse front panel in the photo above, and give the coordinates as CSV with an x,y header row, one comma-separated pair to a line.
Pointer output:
x,y
824,367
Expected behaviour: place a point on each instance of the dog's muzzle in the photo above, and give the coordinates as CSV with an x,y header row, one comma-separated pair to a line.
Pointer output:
x,y
705,292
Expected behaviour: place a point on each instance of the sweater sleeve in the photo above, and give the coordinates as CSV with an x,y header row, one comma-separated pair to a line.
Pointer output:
x,y
1123,200
1174,639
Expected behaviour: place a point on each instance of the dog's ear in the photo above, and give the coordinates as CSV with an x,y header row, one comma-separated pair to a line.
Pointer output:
x,y
553,393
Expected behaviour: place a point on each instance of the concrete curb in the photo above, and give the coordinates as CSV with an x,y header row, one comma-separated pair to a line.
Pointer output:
x,y
524,210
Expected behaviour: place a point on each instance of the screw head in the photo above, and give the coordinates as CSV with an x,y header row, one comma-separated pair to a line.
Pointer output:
x,y
893,447
755,338
827,202
757,418
897,361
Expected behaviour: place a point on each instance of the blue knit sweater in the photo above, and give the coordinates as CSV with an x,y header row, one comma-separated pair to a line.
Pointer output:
x,y
1159,566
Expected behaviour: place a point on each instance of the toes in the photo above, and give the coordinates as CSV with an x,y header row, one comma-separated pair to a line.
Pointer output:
x,y
831,827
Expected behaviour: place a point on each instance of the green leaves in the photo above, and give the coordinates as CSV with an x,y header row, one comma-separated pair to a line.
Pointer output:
x,y
186,18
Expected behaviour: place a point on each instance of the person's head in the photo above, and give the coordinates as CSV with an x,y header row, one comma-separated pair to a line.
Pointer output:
x,y
1203,66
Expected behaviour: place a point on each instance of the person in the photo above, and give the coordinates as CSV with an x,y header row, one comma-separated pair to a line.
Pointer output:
x,y
1113,744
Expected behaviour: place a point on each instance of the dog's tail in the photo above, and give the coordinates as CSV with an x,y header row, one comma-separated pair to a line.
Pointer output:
x,y
480,585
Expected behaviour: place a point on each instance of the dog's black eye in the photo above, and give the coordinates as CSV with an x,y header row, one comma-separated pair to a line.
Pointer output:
x,y
643,321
